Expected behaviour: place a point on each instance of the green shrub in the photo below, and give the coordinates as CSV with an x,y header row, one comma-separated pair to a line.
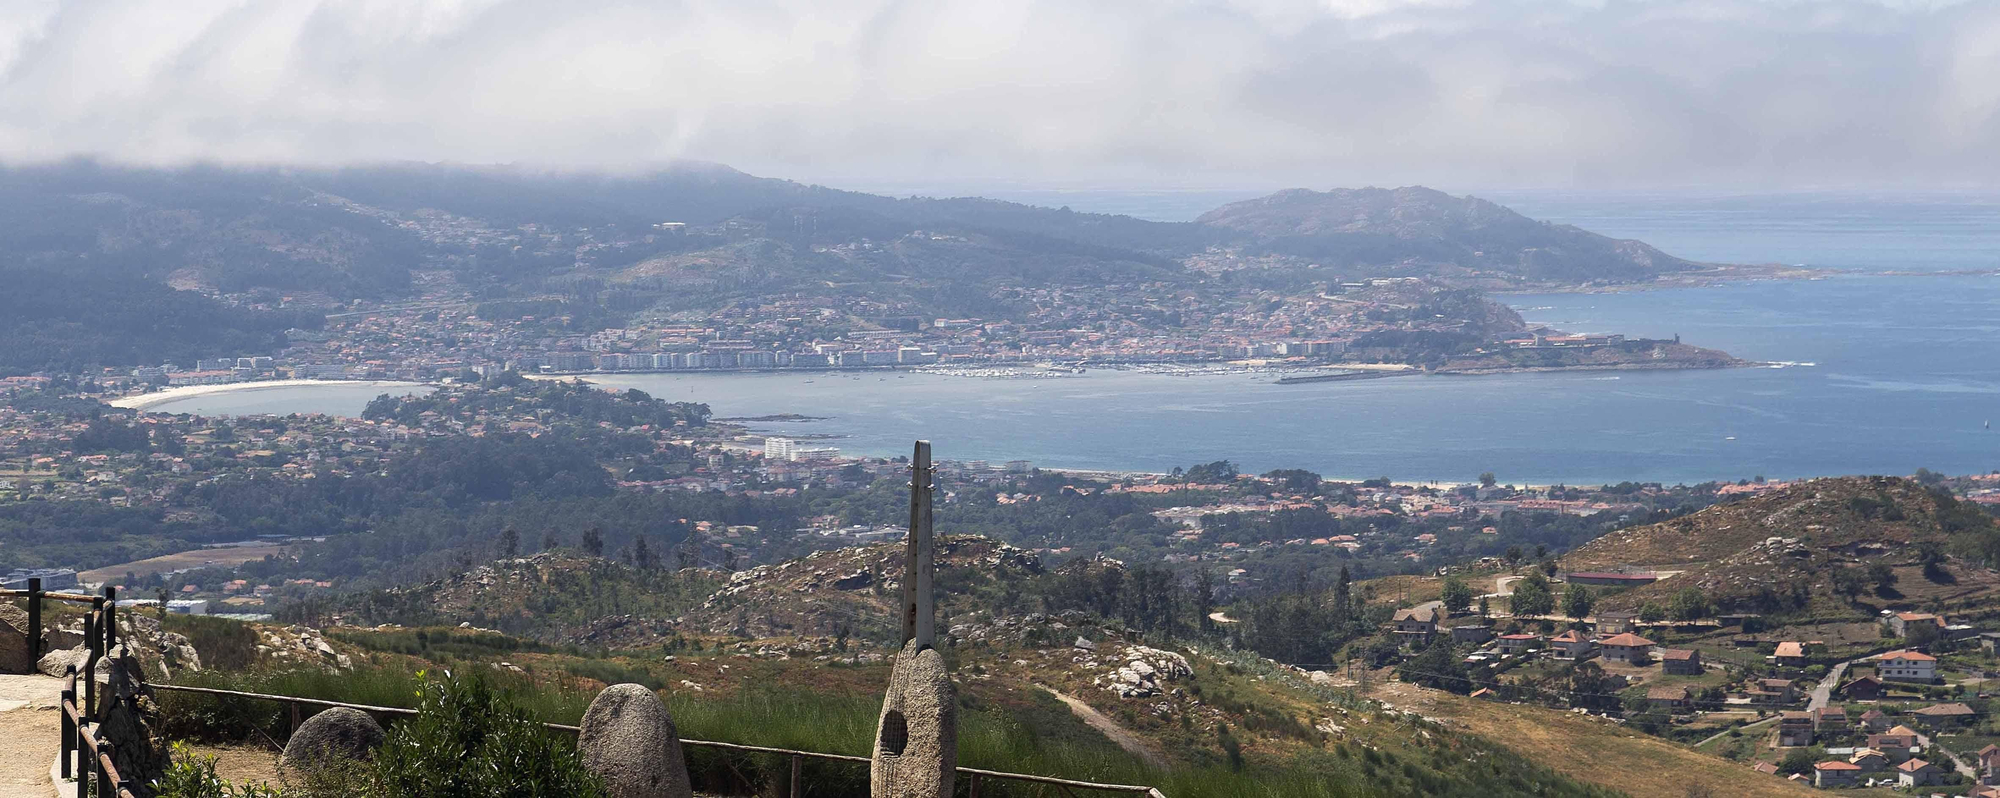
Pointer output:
x,y
190,775
469,740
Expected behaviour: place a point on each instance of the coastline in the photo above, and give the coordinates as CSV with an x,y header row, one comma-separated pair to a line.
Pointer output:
x,y
145,401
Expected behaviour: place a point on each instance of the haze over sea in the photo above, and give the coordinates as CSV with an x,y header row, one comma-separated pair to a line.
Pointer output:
x,y
1905,369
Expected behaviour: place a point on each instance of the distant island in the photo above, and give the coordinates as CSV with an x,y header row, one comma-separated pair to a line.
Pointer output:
x,y
428,272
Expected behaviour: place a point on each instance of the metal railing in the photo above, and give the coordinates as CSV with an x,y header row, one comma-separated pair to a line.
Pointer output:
x,y
974,776
84,757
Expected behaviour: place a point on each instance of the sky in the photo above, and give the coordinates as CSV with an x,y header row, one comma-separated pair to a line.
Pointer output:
x,y
1625,94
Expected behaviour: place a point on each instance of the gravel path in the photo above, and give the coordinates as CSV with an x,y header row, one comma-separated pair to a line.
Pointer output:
x,y
30,725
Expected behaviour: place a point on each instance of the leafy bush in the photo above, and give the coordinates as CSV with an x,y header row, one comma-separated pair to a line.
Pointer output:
x,y
190,775
469,740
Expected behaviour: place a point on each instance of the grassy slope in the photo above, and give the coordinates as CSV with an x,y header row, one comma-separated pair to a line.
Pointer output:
x,y
1591,750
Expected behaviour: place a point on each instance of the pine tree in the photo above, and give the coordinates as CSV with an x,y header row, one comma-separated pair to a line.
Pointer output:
x,y
593,542
510,543
642,555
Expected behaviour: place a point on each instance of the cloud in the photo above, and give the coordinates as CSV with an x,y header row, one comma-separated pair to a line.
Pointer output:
x,y
1750,93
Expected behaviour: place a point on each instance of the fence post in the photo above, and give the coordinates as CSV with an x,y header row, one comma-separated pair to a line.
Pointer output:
x,y
82,764
105,789
68,725
35,618
797,762
92,640
110,619
975,785
294,705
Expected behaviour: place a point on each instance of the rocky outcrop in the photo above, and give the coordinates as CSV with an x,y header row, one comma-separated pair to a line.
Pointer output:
x,y
338,735
916,738
128,719
628,739
15,657
301,645
1142,672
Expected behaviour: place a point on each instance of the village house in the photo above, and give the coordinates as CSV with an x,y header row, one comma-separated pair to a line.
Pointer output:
x,y
1833,774
1415,626
1613,623
1906,666
1831,720
1472,633
1680,661
1628,648
1866,688
1795,729
1773,691
1790,654
1900,622
1869,760
1573,645
1944,716
1897,743
1875,721
1518,644
1988,763
1672,698
1916,773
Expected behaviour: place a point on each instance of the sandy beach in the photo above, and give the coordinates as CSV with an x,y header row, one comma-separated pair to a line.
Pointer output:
x,y
148,400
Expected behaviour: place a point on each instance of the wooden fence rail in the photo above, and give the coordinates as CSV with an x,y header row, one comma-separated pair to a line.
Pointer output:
x,y
797,757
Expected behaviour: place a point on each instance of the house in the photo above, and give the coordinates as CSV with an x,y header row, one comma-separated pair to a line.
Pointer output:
x,y
1916,773
1680,661
1896,743
1906,666
1790,654
1989,641
1573,645
1766,768
1866,688
1672,698
1830,720
1989,764
1835,773
1627,648
1472,633
1900,622
1941,716
1773,691
1869,760
1795,729
1874,721
1612,623
1415,625
1517,644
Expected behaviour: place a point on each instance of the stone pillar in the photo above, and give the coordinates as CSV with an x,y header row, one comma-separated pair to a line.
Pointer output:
x,y
919,560
916,740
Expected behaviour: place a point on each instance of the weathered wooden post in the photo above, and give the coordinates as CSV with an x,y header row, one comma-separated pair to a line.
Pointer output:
x,y
110,619
34,619
916,738
68,724
91,639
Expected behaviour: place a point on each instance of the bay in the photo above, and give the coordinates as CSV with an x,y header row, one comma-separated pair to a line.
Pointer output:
x,y
1904,370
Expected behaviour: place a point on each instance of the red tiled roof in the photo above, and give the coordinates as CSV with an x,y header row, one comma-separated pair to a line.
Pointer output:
x,y
1913,656
1836,765
1626,640
1913,765
1791,648
1677,653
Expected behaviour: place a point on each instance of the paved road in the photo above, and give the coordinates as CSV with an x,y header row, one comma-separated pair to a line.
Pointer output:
x,y
1956,763
1824,692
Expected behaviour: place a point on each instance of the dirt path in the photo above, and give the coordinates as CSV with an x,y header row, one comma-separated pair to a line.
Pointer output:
x,y
1110,728
29,732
